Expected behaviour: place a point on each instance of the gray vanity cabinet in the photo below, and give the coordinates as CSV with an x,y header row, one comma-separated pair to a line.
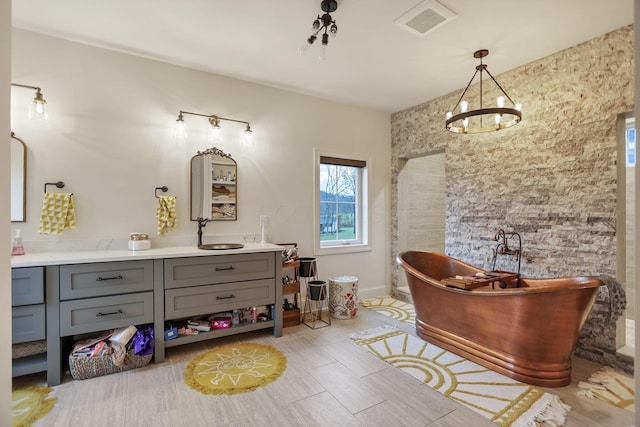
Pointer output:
x,y
200,286
28,326
94,297
102,296
63,299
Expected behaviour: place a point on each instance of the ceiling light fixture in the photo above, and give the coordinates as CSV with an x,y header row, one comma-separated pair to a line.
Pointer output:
x,y
37,106
214,121
326,23
483,119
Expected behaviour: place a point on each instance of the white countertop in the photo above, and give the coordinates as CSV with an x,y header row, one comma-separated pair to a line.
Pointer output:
x,y
81,257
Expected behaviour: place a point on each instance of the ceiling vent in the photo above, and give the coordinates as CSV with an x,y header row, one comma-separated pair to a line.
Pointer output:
x,y
425,17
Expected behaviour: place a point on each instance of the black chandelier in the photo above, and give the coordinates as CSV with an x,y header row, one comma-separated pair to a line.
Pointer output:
x,y
324,22
483,119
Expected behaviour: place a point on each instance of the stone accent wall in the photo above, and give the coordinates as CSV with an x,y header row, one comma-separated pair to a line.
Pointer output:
x,y
552,178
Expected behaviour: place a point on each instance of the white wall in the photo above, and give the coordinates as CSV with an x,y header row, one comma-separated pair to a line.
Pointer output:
x,y
110,139
5,273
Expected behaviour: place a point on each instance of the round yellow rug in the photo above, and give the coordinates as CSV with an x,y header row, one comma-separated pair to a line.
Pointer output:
x,y
235,368
29,404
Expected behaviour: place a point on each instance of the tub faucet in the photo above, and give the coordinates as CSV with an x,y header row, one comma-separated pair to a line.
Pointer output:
x,y
502,248
202,222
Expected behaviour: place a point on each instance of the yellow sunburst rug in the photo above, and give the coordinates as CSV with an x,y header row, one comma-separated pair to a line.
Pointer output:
x,y
235,368
503,400
29,404
391,307
611,386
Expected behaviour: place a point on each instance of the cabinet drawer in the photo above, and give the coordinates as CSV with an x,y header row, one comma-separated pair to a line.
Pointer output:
x,y
181,272
96,314
27,286
27,323
199,300
105,278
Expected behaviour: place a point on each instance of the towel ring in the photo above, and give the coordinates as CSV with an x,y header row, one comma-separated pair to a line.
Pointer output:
x,y
164,189
58,184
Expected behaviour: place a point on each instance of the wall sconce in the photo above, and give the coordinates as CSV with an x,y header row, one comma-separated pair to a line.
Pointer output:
x,y
37,110
214,129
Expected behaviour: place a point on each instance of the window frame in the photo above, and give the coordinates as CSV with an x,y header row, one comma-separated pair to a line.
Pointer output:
x,y
362,203
630,124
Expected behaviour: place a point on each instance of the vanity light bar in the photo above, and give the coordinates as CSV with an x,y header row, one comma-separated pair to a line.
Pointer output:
x,y
214,121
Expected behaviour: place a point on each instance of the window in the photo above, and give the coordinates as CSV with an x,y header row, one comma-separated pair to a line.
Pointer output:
x,y
630,135
341,203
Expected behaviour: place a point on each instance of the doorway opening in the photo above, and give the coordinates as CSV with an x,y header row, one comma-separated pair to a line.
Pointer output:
x,y
625,329
421,206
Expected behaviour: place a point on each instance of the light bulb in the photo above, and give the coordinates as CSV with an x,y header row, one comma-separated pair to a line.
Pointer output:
x,y
181,129
214,132
498,117
518,106
463,106
37,110
449,115
323,52
248,135
500,101
465,123
333,30
316,25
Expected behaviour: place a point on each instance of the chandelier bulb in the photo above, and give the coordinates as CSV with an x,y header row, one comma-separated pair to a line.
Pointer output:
x,y
312,39
316,25
333,30
518,106
449,115
500,101
498,117
465,123
464,105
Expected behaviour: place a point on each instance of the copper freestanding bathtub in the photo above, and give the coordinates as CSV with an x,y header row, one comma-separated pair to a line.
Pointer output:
x,y
527,333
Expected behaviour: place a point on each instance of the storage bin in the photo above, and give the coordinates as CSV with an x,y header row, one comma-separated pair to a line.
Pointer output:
x,y
84,367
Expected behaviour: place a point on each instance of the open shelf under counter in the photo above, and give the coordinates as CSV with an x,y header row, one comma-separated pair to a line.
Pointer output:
x,y
218,333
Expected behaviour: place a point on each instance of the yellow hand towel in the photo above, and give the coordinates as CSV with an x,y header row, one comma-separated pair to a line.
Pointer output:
x,y
166,214
57,213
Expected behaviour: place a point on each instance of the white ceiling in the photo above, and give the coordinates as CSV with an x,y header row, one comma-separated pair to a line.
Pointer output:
x,y
372,62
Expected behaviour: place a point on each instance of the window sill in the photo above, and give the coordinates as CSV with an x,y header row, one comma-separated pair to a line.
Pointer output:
x,y
342,249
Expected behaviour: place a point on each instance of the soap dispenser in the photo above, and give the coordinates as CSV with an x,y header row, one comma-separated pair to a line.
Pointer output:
x,y
18,248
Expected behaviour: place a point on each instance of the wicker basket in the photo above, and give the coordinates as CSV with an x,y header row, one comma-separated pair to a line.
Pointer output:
x,y
28,349
83,367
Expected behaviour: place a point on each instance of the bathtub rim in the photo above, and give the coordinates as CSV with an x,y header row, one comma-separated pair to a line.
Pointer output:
x,y
533,285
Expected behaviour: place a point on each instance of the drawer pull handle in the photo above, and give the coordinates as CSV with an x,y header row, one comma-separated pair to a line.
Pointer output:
x,y
227,297
118,277
224,268
100,314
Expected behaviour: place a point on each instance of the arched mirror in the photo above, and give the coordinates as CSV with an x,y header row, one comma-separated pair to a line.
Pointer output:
x,y
214,186
18,179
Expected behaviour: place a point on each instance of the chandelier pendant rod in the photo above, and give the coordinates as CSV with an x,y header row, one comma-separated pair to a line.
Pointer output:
x,y
500,87
465,90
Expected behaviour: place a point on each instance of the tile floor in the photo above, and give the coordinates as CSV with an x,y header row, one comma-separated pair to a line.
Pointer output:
x,y
329,381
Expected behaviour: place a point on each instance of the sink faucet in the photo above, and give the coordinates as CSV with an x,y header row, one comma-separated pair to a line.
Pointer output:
x,y
202,222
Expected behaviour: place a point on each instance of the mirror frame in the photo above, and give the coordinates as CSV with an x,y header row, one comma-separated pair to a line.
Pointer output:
x,y
219,153
24,179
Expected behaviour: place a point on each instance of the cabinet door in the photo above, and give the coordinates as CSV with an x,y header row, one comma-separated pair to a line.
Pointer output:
x,y
201,300
27,286
105,278
185,272
98,314
27,323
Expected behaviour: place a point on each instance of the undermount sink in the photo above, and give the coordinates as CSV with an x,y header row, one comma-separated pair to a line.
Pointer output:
x,y
221,246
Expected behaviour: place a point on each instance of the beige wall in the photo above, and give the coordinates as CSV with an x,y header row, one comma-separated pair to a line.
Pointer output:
x,y
552,178
5,274
110,139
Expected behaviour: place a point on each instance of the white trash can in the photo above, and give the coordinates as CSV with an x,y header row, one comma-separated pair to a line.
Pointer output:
x,y
343,297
